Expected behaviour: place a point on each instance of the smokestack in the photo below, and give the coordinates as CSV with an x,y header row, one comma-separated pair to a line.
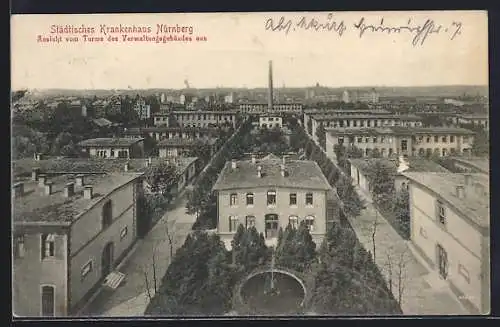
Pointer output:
x,y
270,90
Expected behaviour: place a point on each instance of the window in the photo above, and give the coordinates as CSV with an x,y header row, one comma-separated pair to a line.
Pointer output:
x,y
233,223
374,140
123,233
19,246
420,138
444,139
86,269
293,221
309,199
310,223
441,211
341,140
354,123
382,139
464,273
404,145
249,199
249,221
48,301
428,139
233,199
367,140
452,138
436,139
293,199
360,140
271,198
48,246
444,152
368,123
107,214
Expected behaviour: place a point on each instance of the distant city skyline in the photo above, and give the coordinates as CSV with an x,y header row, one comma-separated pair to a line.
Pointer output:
x,y
239,48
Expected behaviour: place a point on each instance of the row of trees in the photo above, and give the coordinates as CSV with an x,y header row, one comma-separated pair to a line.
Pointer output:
x,y
201,200
347,281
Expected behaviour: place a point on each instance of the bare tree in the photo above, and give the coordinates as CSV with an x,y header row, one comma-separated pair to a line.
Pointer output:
x,y
389,268
401,276
399,264
374,232
147,281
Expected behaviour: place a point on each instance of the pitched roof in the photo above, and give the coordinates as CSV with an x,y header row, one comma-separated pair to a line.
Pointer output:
x,y
35,206
101,122
481,164
301,174
476,204
110,141
398,130
416,164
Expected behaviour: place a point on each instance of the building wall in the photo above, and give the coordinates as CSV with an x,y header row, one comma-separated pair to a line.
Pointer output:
x,y
31,272
88,239
282,209
415,146
168,152
276,121
203,119
462,242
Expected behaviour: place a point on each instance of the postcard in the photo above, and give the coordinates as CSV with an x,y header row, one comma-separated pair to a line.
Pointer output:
x,y
250,164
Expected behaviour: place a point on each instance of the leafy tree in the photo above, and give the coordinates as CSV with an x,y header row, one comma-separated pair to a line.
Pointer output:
x,y
249,248
402,210
321,135
381,178
350,199
200,150
297,249
481,144
376,153
162,178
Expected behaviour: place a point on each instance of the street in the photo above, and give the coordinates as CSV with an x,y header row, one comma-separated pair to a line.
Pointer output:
x,y
131,298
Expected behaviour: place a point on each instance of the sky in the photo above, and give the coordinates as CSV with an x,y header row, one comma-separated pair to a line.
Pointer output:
x,y
238,48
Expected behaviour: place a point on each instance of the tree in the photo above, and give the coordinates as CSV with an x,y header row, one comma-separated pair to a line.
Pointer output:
x,y
381,178
321,135
249,248
200,150
402,210
481,144
350,198
162,178
296,250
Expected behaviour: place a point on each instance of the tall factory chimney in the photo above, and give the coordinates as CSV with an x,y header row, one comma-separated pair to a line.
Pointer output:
x,y
270,90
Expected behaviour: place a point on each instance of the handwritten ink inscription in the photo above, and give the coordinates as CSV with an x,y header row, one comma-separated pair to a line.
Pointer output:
x,y
420,32
288,25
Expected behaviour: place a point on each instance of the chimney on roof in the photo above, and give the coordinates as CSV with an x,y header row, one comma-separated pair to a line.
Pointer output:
x,y
38,156
80,180
48,188
69,190
18,189
254,159
34,174
127,166
284,160
259,171
460,192
234,164
468,179
87,192
41,180
283,170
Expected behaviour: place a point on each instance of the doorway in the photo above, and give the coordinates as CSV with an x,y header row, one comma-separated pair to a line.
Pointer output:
x,y
442,258
271,225
107,260
48,301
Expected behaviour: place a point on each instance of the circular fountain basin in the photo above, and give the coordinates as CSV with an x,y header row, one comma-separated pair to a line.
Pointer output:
x,y
287,296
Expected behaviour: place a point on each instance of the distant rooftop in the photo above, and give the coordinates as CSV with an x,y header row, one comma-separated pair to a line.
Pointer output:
x,y
23,167
367,116
416,164
301,174
36,206
398,130
475,205
110,141
474,116
177,141
140,130
481,164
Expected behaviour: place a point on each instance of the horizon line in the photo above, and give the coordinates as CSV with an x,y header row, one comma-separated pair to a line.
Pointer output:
x,y
249,88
